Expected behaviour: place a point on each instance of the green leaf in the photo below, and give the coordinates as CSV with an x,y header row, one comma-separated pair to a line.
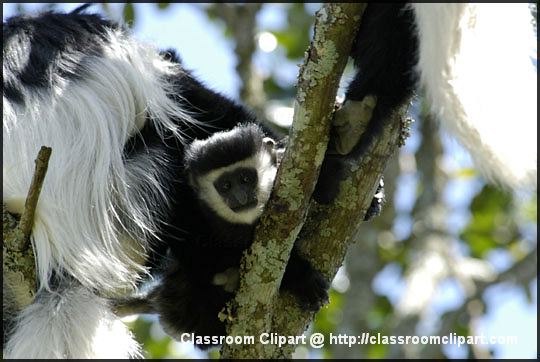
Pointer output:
x,y
329,317
20,8
296,37
492,223
378,315
163,6
377,351
465,173
274,91
129,14
530,208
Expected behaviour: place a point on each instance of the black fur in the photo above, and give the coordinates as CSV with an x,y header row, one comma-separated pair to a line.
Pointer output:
x,y
43,40
193,231
202,244
193,244
244,143
385,53
186,299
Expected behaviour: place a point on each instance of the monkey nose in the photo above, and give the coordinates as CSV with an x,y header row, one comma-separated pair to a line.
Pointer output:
x,y
242,198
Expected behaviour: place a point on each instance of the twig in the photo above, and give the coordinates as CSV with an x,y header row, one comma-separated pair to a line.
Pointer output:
x,y
18,262
27,217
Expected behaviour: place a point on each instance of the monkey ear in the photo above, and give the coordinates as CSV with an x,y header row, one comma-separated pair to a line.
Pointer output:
x,y
269,142
270,146
279,153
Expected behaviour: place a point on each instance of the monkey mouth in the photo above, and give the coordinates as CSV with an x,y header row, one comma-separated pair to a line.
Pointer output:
x,y
250,205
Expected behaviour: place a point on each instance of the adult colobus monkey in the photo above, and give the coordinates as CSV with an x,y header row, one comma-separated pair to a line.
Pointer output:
x,y
85,87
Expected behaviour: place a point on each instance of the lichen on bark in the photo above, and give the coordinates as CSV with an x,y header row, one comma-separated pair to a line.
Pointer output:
x,y
18,262
318,81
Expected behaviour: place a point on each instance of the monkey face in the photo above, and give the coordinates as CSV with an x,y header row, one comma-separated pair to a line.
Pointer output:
x,y
238,188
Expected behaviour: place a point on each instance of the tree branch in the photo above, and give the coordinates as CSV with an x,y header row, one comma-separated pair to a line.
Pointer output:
x,y
328,230
264,264
18,264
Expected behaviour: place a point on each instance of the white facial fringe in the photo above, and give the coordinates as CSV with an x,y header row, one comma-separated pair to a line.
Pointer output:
x,y
266,173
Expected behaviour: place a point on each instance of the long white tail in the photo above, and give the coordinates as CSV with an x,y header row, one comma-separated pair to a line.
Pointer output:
x,y
70,323
476,68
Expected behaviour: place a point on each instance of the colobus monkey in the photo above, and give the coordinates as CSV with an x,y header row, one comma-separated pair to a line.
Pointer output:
x,y
473,63
229,178
117,114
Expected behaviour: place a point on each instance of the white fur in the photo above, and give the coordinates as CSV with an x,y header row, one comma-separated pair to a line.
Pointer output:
x,y
266,172
72,323
475,67
91,200
90,197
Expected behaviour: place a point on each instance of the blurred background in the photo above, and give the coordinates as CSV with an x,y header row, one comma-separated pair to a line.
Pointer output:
x,y
449,254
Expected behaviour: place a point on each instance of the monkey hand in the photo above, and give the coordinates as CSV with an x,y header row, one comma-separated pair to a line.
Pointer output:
x,y
307,284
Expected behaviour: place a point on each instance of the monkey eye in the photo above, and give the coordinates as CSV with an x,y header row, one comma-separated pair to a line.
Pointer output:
x,y
246,179
226,186
270,143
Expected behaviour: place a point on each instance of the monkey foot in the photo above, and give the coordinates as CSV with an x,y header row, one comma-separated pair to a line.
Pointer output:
x,y
349,123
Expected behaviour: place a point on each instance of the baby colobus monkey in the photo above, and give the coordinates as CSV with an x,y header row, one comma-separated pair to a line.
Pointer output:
x,y
477,76
229,179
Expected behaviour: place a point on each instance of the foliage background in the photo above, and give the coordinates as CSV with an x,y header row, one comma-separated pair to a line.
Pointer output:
x,y
449,254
